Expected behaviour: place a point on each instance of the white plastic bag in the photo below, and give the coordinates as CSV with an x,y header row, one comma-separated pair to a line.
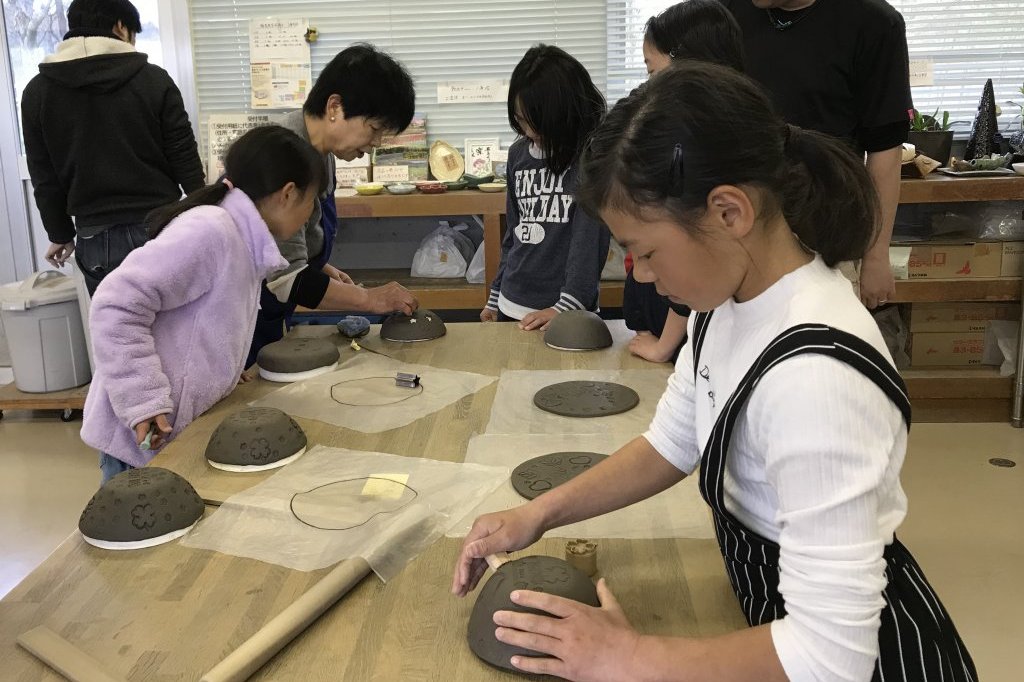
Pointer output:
x,y
475,271
1001,346
439,255
615,263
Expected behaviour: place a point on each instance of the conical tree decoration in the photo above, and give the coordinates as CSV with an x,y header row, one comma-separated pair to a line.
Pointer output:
x,y
981,143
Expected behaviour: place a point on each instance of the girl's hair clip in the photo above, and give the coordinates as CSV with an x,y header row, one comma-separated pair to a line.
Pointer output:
x,y
675,172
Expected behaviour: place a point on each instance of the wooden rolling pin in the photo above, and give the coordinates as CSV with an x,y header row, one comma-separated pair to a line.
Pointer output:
x,y
63,656
241,663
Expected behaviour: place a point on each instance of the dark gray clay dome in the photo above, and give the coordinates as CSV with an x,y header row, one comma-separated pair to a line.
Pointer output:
x,y
578,330
586,399
536,476
254,439
538,573
294,356
422,325
140,508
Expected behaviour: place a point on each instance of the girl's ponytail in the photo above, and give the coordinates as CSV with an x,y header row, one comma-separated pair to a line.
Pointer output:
x,y
828,198
259,163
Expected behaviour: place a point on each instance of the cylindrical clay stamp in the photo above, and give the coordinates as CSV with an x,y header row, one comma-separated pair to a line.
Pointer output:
x,y
583,555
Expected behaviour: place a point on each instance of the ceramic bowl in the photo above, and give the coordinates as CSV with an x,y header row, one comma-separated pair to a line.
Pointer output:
x,y
456,185
369,188
492,187
1018,168
477,180
433,188
401,188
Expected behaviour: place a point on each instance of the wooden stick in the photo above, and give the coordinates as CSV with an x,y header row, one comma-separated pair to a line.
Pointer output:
x,y
272,637
63,656
495,561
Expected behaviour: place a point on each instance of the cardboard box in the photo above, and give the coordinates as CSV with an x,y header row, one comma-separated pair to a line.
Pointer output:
x,y
1013,259
959,317
928,349
955,261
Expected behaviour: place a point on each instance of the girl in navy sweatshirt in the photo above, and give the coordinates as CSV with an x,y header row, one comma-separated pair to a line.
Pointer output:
x,y
552,253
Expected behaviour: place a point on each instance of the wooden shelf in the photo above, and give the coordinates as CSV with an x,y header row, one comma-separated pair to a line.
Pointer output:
x,y
417,204
940,189
13,399
942,290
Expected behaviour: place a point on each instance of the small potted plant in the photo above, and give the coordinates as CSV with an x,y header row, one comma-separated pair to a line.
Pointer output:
x,y
1017,138
931,136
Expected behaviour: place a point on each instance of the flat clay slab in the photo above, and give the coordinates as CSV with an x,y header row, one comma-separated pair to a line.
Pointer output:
x,y
296,357
578,330
422,325
585,399
255,439
140,508
540,474
537,573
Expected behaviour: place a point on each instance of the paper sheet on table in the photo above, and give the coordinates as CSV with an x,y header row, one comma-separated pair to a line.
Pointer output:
x,y
514,411
369,382
370,500
679,512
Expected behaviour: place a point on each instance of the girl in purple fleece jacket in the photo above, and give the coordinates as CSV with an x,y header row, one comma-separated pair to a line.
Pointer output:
x,y
171,326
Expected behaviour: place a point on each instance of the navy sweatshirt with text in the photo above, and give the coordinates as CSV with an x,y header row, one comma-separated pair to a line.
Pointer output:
x,y
552,253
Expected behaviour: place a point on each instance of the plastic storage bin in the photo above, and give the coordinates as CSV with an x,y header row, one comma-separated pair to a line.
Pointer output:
x,y
44,332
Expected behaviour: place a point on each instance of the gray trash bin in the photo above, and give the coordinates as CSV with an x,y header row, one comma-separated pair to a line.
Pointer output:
x,y
44,332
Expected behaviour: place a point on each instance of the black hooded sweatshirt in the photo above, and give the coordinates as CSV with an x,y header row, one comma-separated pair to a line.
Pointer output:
x,y
106,136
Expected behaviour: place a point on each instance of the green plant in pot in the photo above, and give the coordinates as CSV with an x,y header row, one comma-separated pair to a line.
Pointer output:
x,y
932,136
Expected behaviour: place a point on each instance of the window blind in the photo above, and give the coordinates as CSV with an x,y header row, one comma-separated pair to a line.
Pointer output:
x,y
438,41
625,36
968,42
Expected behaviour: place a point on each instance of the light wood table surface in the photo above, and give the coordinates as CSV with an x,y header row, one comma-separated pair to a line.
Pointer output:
x,y
170,613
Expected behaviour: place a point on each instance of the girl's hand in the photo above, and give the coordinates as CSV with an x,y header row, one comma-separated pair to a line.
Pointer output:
x,y
58,254
649,347
538,320
583,643
488,315
504,531
160,427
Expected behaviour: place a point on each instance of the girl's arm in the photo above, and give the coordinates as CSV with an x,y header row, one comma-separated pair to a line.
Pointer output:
x,y
661,348
167,273
511,220
588,249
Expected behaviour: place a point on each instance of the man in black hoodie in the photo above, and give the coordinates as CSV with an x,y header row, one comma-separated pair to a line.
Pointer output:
x,y
107,139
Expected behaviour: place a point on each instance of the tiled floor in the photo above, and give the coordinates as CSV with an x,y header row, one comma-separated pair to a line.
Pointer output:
x,y
966,521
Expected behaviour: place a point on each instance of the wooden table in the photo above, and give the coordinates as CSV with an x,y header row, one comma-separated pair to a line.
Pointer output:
x,y
170,613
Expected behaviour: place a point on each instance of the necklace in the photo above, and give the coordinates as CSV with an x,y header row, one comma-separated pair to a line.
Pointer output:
x,y
786,24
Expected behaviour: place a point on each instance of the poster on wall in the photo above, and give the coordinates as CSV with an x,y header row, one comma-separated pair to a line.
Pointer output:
x,y
279,63
223,129
479,154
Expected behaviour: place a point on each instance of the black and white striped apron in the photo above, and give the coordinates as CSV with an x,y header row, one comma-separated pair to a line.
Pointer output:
x,y
917,640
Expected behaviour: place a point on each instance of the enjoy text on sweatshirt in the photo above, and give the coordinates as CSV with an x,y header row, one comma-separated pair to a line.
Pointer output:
x,y
552,253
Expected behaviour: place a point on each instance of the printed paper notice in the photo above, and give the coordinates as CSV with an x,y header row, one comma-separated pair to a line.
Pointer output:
x,y
465,92
223,129
279,63
922,72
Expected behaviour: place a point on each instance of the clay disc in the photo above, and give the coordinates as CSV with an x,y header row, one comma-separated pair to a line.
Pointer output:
x,y
539,573
586,399
540,474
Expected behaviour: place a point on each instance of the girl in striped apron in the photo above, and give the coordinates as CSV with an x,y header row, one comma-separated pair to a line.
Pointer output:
x,y
785,397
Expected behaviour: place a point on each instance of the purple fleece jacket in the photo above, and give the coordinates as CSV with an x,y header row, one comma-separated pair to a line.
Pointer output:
x,y
171,326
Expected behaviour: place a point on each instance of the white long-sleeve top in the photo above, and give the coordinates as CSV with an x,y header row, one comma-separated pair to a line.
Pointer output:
x,y
813,465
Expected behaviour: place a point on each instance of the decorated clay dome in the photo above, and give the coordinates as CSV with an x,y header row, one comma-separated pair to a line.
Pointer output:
x,y
423,325
578,330
255,439
140,508
538,573
296,359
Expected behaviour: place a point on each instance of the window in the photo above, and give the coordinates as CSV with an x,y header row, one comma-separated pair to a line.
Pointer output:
x,y
968,42
34,27
626,21
443,40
